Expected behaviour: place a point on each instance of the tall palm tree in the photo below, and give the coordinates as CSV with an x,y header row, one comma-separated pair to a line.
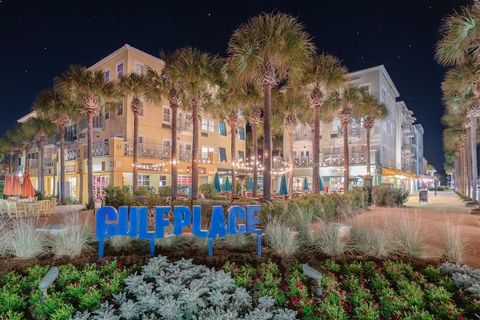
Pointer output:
x,y
199,73
133,86
350,98
90,90
58,109
266,49
166,85
370,110
323,75
41,129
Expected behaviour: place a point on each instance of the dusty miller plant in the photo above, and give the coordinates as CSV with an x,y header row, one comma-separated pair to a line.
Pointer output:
x,y
464,277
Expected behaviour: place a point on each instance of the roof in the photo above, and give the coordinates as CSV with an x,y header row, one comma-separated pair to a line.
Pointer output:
x,y
28,116
125,48
382,70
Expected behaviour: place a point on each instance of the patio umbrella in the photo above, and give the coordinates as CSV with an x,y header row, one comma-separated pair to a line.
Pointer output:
x,y
227,185
282,190
16,189
305,184
27,187
7,188
321,187
250,184
216,183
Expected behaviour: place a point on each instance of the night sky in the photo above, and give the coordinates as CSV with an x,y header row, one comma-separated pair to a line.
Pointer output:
x,y
39,39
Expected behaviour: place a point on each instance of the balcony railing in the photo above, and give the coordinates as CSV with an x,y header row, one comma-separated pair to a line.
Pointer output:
x,y
149,151
100,149
327,160
72,154
303,162
185,156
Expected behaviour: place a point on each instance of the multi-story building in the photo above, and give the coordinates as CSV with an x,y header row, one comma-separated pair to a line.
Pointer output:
x,y
393,155
113,138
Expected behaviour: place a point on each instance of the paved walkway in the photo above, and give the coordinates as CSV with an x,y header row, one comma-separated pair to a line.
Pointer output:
x,y
444,209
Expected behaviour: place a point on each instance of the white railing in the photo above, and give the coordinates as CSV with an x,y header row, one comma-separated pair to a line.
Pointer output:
x,y
100,149
153,151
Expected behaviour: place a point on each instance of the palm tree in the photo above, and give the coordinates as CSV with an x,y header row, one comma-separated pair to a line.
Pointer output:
x,y
89,89
41,129
58,109
166,85
370,110
266,49
324,74
199,73
350,98
133,85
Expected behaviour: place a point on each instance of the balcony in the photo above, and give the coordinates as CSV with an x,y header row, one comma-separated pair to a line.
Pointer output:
x,y
100,149
185,156
328,160
72,154
150,151
303,162
184,125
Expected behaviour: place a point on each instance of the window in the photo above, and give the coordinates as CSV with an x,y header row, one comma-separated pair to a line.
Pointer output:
x,y
106,75
119,70
184,180
241,155
166,114
163,181
140,68
166,145
140,139
143,180
335,126
120,109
241,133
222,155
71,132
205,154
208,125
222,128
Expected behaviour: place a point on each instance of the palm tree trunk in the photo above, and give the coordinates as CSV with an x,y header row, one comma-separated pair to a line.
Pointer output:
x,y
10,163
90,158
173,152
27,161
267,143
41,173
473,152
316,151
233,155
468,160
290,161
195,120
61,194
368,153
255,159
135,151
346,158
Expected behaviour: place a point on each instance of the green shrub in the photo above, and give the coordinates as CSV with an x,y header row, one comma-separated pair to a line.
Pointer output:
x,y
165,191
384,196
208,190
118,196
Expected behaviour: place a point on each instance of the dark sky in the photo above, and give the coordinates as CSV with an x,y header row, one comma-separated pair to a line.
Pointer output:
x,y
39,39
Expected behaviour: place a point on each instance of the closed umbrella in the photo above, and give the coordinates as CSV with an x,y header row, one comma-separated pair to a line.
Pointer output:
x,y
7,188
216,183
227,185
27,187
321,187
305,184
282,190
16,189
250,184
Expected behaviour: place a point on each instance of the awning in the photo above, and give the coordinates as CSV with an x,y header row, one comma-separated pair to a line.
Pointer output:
x,y
394,172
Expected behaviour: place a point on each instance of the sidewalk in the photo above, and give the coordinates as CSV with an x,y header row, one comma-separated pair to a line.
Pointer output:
x,y
444,200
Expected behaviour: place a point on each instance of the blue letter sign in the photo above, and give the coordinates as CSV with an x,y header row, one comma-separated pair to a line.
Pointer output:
x,y
134,223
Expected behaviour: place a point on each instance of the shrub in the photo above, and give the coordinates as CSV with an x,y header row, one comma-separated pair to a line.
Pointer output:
x,y
184,290
118,196
328,240
370,240
237,241
74,240
24,240
165,191
302,219
464,277
120,243
453,243
410,236
280,238
385,196
4,232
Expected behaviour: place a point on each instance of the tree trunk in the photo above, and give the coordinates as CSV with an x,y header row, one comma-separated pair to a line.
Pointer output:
x,y
267,143
61,194
473,152
195,120
290,161
41,173
316,151
90,158
346,159
135,151
468,161
173,152
10,163
255,159
233,155
27,161
368,152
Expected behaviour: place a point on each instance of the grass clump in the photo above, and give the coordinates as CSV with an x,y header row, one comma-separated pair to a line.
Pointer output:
x,y
453,243
410,236
280,238
24,241
329,240
74,240
370,240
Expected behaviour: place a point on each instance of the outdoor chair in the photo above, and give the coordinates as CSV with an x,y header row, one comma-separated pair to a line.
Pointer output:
x,y
3,207
15,210
43,206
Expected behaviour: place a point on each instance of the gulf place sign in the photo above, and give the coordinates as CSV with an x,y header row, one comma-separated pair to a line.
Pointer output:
x,y
133,222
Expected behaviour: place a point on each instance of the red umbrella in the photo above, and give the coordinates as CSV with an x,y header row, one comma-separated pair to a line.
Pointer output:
x,y
27,187
16,189
7,188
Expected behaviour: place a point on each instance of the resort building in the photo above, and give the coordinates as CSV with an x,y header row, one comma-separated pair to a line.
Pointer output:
x,y
113,139
396,147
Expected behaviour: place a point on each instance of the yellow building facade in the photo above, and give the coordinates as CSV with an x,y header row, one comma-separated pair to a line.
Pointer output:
x,y
113,141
